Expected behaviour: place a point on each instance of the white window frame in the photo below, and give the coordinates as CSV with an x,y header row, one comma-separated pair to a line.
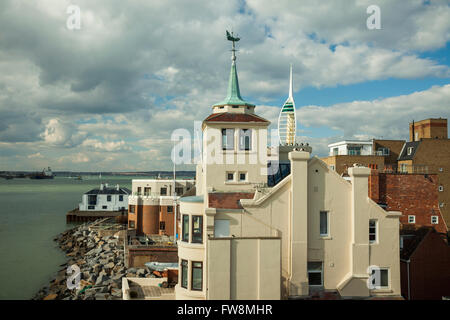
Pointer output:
x,y
436,218
376,231
388,287
324,235
441,188
331,167
239,176
441,205
413,218
230,172
229,140
410,150
242,135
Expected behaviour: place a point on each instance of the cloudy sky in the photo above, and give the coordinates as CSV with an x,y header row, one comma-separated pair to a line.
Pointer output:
x,y
107,96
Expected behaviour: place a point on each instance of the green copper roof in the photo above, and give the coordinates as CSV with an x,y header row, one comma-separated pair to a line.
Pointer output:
x,y
234,94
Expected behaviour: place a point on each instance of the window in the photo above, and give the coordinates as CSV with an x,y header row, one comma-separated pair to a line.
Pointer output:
x,y
372,231
163,191
441,169
179,191
441,204
331,167
242,176
120,197
441,188
315,273
185,232
147,191
323,223
92,200
169,209
91,207
434,219
380,278
221,228
162,225
108,198
227,139
335,151
354,151
197,229
411,219
383,151
403,167
197,276
139,189
104,207
230,176
410,150
132,208
184,274
245,139
131,224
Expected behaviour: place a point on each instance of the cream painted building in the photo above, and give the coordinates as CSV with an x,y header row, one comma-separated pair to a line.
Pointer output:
x,y
312,231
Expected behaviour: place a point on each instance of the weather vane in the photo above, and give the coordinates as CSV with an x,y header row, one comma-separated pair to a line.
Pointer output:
x,y
230,37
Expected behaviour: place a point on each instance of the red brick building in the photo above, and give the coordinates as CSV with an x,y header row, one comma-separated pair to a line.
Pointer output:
x,y
414,195
425,265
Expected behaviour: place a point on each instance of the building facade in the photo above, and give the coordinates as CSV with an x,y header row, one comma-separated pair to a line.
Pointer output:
x,y
312,231
105,198
415,195
151,206
424,263
376,154
429,153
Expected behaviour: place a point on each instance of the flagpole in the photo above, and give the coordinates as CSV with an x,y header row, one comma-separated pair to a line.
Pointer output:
x,y
175,203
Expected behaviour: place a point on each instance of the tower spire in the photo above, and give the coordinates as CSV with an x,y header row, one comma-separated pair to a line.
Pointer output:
x,y
233,93
287,121
290,84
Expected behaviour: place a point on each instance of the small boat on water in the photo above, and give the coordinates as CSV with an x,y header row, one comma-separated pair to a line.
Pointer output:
x,y
45,174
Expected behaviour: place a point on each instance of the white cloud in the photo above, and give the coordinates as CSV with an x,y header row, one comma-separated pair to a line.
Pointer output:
x,y
387,118
105,146
37,155
62,134
138,70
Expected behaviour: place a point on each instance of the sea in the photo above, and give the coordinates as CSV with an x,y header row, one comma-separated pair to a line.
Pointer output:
x,y
32,214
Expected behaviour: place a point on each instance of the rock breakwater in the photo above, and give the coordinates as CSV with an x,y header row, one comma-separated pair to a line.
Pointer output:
x,y
101,263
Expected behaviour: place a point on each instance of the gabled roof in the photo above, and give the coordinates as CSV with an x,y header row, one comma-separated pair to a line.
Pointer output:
x,y
404,153
410,244
234,117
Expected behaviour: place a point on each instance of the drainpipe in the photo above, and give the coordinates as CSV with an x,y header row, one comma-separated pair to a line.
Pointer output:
x,y
407,275
409,283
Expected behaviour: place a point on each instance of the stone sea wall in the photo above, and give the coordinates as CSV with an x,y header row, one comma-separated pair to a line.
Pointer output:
x,y
101,263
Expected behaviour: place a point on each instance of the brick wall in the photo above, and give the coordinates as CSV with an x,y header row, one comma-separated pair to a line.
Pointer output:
x,y
411,194
137,257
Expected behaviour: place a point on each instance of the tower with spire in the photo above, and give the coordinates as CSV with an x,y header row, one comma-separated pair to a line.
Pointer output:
x,y
287,120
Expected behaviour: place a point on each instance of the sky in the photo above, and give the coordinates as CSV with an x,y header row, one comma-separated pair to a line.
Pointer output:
x,y
107,96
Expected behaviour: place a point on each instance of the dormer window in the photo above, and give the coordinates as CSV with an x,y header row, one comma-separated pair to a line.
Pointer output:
x,y
245,139
410,150
227,139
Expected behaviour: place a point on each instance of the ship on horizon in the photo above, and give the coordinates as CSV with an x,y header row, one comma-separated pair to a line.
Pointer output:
x,y
45,174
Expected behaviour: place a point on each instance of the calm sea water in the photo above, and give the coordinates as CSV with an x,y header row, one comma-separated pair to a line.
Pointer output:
x,y
32,213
